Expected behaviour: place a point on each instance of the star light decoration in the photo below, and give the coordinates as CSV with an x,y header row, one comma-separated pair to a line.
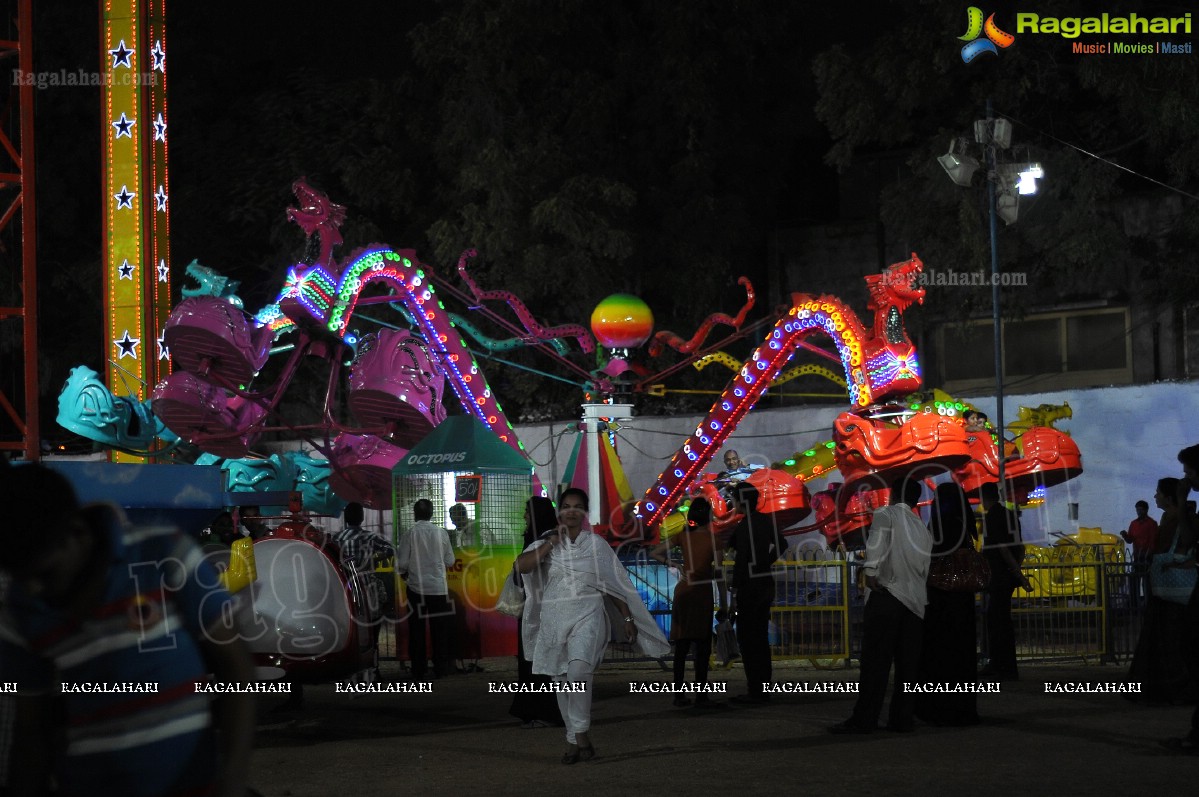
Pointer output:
x,y
160,198
124,198
160,129
164,351
162,270
121,55
124,126
126,270
127,345
158,58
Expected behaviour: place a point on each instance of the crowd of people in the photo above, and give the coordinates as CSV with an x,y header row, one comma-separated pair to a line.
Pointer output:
x,y
72,612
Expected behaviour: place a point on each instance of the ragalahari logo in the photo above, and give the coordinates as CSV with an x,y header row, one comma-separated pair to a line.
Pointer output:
x,y
975,27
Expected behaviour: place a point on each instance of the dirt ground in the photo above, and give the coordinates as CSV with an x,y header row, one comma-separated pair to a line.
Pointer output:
x,y
459,740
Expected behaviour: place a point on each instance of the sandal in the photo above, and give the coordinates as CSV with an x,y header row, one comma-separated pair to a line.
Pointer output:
x,y
586,753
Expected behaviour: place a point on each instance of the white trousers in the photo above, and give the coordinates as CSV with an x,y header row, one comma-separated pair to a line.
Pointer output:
x,y
576,706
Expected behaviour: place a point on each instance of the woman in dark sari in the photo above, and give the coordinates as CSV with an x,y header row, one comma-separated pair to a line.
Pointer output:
x,y
535,709
949,654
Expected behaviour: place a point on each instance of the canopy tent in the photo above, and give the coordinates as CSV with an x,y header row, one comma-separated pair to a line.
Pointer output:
x,y
615,495
461,463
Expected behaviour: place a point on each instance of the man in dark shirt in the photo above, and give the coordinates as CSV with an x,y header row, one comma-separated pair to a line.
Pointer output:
x,y
755,544
1005,554
1142,535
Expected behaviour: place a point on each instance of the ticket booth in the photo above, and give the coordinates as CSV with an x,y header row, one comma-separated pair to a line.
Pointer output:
x,y
479,486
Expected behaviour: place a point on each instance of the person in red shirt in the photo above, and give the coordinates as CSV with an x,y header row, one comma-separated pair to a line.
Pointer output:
x,y
1142,532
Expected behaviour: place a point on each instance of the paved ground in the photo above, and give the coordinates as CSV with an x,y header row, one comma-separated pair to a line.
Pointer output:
x,y
460,741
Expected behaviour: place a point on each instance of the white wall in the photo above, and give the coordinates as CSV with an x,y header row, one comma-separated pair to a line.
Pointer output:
x,y
1129,438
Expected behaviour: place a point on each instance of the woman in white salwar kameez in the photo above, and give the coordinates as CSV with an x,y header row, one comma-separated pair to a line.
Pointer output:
x,y
576,591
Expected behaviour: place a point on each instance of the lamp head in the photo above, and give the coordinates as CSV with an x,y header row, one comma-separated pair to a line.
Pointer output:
x,y
957,164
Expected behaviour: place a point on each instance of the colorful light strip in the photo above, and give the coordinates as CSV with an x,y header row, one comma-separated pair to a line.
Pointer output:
x,y
401,271
154,132
807,315
126,284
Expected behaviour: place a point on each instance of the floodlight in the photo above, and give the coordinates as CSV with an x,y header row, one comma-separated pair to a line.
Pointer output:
x,y
1020,176
1000,132
1028,178
1007,207
957,164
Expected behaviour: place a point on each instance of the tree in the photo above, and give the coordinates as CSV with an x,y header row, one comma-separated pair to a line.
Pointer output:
x,y
591,148
1111,131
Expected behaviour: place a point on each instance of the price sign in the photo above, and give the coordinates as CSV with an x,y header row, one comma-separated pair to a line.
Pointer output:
x,y
467,489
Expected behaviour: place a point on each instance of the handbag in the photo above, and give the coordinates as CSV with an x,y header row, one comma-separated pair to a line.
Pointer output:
x,y
963,570
512,595
1173,584
727,648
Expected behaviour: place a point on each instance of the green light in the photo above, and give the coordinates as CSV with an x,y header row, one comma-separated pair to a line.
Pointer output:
x,y
789,462
811,452
830,444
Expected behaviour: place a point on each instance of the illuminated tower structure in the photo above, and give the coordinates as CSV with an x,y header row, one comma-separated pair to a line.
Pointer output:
x,y
19,424
136,256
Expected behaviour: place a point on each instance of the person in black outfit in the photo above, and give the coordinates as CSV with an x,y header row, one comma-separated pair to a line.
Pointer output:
x,y
1159,659
950,650
1005,554
756,545
535,709
1187,536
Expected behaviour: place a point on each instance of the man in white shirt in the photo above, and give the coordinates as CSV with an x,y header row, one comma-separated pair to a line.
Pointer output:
x,y
423,555
898,549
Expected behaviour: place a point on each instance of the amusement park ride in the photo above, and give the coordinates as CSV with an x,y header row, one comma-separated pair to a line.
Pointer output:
x,y
390,397
219,375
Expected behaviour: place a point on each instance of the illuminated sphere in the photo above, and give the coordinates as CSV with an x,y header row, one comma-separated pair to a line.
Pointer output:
x,y
622,321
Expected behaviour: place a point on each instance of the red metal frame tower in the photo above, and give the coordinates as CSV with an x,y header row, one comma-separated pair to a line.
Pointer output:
x,y
16,171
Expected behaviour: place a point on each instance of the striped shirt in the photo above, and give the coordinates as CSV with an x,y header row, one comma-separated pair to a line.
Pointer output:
x,y
126,673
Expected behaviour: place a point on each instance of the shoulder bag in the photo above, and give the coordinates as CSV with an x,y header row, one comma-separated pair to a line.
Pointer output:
x,y
512,596
962,570
1173,584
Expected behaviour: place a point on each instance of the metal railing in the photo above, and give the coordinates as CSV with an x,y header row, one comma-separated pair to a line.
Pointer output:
x,y
1083,606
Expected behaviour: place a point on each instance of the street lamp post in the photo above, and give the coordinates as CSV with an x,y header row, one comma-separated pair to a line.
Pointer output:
x,y
996,315
1004,183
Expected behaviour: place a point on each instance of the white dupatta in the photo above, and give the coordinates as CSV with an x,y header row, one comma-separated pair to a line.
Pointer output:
x,y
594,563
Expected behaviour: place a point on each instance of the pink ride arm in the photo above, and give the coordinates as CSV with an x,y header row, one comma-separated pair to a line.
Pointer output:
x,y
526,318
405,274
